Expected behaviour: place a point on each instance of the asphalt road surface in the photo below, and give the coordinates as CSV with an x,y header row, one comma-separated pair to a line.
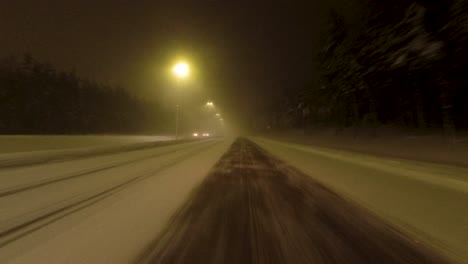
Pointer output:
x,y
253,208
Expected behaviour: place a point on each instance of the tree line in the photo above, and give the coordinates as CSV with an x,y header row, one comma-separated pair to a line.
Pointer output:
x,y
404,63
36,98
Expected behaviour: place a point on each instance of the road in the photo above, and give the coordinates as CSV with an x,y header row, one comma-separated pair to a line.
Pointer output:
x,y
208,202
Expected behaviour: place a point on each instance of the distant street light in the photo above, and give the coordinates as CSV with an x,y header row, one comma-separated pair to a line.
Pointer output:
x,y
209,104
181,71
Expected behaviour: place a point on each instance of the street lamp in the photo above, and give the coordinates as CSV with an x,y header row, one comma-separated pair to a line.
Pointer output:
x,y
181,71
209,104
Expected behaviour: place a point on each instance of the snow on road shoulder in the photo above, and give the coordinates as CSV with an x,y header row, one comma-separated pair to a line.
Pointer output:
x,y
31,143
126,143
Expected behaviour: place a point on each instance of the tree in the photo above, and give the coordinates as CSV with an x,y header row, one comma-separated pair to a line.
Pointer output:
x,y
36,98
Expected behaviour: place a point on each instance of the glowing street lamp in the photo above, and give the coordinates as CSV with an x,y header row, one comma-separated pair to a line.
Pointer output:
x,y
209,104
181,70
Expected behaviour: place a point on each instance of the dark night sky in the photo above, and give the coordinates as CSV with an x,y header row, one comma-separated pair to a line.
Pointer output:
x,y
244,51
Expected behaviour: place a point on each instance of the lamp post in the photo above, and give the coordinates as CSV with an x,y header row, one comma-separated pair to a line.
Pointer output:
x,y
181,70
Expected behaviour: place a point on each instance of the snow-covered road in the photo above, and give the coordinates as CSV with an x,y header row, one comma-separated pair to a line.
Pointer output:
x,y
101,209
111,206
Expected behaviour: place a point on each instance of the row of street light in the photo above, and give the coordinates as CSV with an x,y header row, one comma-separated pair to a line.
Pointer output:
x,y
210,104
182,70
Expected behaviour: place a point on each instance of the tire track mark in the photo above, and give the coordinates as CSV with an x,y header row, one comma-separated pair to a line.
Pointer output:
x,y
21,188
18,231
81,154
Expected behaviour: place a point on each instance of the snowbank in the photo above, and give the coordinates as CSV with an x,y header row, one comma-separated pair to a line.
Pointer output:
x,y
28,143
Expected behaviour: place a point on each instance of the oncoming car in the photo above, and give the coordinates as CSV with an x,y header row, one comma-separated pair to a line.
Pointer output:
x,y
205,134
